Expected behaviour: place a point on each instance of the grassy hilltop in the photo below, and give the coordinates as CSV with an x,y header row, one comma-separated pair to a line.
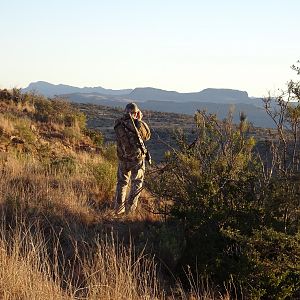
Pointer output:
x,y
216,220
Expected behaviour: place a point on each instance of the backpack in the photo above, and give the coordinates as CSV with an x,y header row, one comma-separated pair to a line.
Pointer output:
x,y
127,142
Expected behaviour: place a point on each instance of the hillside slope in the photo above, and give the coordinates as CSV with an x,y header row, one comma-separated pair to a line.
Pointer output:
x,y
57,229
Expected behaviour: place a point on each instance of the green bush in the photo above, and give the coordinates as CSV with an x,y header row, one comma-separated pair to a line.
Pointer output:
x,y
275,264
73,134
105,174
59,111
24,131
109,152
166,240
233,219
96,136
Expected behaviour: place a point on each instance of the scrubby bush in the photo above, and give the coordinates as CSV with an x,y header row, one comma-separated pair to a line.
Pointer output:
x,y
59,111
237,224
109,152
96,136
23,130
105,174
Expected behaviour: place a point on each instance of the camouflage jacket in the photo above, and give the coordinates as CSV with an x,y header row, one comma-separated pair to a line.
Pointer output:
x,y
128,148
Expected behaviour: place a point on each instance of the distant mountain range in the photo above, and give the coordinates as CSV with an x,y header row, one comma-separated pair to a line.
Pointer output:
x,y
218,101
143,94
207,95
50,90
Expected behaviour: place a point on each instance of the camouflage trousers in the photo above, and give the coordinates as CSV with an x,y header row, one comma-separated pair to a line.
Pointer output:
x,y
129,171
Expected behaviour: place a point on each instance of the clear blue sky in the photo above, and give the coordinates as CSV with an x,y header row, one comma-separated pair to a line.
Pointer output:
x,y
183,45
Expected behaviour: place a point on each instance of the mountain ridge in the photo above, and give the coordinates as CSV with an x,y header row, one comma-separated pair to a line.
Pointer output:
x,y
50,90
222,95
219,95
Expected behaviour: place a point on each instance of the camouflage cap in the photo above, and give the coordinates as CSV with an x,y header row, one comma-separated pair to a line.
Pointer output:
x,y
131,107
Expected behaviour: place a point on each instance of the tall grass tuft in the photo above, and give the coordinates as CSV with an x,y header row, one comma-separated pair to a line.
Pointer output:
x,y
29,271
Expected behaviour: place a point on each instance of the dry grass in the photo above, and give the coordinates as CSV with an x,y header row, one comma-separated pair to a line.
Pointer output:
x,y
25,270
116,273
107,270
33,184
6,125
36,266
26,106
28,272
54,245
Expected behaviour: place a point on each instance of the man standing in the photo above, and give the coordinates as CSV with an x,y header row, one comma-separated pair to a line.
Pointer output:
x,y
131,157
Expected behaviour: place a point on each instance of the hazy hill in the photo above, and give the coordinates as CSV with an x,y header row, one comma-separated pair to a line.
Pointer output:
x,y
145,93
206,95
50,90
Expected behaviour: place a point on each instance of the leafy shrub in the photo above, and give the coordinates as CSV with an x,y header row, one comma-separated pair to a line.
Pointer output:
x,y
167,240
274,258
72,133
59,111
105,174
95,135
24,131
213,174
218,192
109,152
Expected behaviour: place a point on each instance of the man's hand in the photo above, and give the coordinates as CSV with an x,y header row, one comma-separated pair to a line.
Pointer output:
x,y
139,115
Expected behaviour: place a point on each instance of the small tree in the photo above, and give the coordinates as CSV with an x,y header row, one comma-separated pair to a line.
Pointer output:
x,y
281,165
209,175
